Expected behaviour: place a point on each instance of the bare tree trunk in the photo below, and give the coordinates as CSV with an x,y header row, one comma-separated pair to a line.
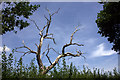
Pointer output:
x,y
38,55
53,64
39,61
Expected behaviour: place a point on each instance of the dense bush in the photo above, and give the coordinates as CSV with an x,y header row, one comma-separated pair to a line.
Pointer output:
x,y
16,69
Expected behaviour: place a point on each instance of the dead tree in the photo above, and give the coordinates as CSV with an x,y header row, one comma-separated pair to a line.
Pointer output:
x,y
44,34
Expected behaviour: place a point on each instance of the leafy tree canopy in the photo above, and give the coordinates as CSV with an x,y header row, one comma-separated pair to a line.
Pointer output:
x,y
108,22
12,13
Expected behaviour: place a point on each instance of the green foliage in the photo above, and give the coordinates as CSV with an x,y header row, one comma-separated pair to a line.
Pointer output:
x,y
16,69
70,70
4,63
109,24
64,68
13,14
33,69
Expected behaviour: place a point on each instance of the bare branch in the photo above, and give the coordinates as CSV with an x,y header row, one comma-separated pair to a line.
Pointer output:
x,y
66,45
46,18
48,25
44,52
70,54
19,51
48,56
49,20
22,52
73,34
19,47
77,44
63,49
48,11
57,59
79,52
50,49
51,38
52,65
62,55
35,24
43,29
25,54
55,51
49,59
36,45
55,12
52,13
31,51
50,34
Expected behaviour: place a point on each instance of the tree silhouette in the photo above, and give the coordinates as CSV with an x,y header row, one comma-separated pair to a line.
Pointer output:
x,y
109,24
13,13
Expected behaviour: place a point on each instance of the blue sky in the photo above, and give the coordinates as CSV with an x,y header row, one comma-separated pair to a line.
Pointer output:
x,y
97,49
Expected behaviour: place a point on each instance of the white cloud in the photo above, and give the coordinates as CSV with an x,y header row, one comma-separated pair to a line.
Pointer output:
x,y
6,49
100,51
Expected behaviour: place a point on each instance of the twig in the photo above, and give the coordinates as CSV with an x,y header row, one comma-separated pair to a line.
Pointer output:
x,y
25,54
55,12
43,29
73,34
63,49
51,38
36,45
48,56
31,51
50,49
35,24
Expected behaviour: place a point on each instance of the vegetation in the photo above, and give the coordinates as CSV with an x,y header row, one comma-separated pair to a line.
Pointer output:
x,y
15,15
16,69
109,24
11,68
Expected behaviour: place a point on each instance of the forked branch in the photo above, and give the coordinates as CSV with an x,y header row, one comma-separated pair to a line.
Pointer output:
x,y
29,50
48,56
51,38
71,39
57,59
49,50
63,53
49,20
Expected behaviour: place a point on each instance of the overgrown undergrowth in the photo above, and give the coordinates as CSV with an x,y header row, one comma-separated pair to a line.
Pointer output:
x,y
16,69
